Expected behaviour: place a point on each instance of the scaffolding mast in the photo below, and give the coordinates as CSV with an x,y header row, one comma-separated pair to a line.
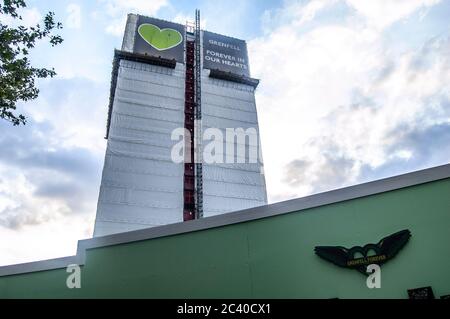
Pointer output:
x,y
198,117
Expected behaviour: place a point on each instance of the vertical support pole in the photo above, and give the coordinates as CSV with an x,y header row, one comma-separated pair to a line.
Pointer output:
x,y
198,117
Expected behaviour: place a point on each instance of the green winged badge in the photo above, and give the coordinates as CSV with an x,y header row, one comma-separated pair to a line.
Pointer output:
x,y
384,250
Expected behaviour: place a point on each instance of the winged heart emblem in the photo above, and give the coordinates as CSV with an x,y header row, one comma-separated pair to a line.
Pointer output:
x,y
369,254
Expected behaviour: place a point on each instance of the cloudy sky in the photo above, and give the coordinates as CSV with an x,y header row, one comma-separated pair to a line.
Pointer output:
x,y
351,91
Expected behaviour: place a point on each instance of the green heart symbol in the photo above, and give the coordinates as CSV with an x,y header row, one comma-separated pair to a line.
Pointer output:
x,y
160,39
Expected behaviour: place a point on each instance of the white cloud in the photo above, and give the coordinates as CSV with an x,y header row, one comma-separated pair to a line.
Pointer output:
x,y
382,13
226,17
116,27
19,206
74,16
115,7
183,18
53,239
303,13
48,192
50,170
294,13
333,98
30,17
118,10
78,112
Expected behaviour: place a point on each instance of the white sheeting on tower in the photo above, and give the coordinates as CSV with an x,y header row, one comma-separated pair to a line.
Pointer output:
x,y
241,184
141,185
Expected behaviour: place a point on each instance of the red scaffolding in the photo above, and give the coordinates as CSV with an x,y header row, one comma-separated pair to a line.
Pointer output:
x,y
189,170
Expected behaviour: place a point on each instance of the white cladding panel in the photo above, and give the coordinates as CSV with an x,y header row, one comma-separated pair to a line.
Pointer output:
x,y
141,185
240,184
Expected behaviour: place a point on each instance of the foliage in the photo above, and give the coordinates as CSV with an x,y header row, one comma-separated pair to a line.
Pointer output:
x,y
17,75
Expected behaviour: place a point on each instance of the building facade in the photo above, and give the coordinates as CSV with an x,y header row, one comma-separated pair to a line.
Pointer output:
x,y
169,77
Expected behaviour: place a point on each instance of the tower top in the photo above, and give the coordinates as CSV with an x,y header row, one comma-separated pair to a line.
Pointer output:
x,y
165,39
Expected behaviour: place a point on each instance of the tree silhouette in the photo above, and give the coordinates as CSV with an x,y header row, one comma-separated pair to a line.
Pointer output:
x,y
17,75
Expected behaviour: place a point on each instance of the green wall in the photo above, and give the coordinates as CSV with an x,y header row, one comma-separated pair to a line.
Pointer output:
x,y
271,257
